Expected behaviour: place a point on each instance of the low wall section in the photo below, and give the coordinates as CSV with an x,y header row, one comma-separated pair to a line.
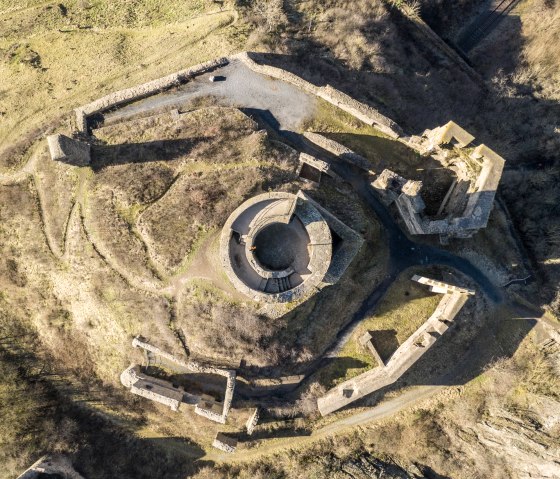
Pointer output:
x,y
363,112
337,149
141,91
403,358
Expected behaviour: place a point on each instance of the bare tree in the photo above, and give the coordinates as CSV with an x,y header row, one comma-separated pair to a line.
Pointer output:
x,y
270,13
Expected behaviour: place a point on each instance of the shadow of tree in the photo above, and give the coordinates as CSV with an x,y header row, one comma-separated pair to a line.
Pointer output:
x,y
126,456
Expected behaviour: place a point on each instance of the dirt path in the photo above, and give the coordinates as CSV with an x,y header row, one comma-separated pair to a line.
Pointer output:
x,y
409,399
545,328
284,108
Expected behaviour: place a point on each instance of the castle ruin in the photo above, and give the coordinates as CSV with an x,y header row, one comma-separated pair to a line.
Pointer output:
x,y
406,355
172,395
468,202
278,247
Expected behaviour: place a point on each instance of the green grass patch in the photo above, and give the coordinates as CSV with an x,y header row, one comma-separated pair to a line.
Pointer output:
x,y
329,118
404,308
366,140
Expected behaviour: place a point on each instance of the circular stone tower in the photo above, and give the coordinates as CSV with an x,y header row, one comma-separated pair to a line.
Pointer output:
x,y
276,247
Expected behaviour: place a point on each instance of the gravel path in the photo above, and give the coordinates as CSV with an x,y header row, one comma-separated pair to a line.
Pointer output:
x,y
241,87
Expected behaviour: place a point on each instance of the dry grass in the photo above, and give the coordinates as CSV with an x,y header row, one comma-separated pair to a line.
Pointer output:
x,y
171,182
403,309
51,62
471,424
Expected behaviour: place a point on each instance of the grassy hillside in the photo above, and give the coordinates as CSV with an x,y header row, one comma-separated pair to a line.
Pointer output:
x,y
55,56
91,257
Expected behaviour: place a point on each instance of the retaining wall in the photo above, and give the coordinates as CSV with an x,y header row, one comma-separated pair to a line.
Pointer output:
x,y
363,112
403,358
141,91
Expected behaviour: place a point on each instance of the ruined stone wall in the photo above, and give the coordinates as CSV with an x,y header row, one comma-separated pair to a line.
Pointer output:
x,y
403,358
320,165
195,367
486,182
441,287
337,149
208,414
146,390
363,112
155,389
55,465
141,91
252,421
346,252
224,443
367,342
69,150
424,337
470,199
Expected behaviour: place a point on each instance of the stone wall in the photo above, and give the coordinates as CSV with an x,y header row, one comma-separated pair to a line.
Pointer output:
x,y
151,388
388,186
319,165
337,149
225,443
69,150
51,466
141,91
441,287
404,357
366,340
470,199
320,249
345,252
252,421
209,414
446,134
196,367
363,112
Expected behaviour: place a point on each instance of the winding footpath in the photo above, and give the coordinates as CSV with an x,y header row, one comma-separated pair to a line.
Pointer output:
x,y
403,253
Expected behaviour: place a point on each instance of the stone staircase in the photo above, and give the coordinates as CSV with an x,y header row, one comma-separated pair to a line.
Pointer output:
x,y
277,285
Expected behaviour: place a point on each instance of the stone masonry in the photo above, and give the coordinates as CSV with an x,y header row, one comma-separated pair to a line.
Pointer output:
x,y
366,340
225,443
406,355
206,407
252,421
312,169
467,205
337,149
69,150
51,466
152,388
